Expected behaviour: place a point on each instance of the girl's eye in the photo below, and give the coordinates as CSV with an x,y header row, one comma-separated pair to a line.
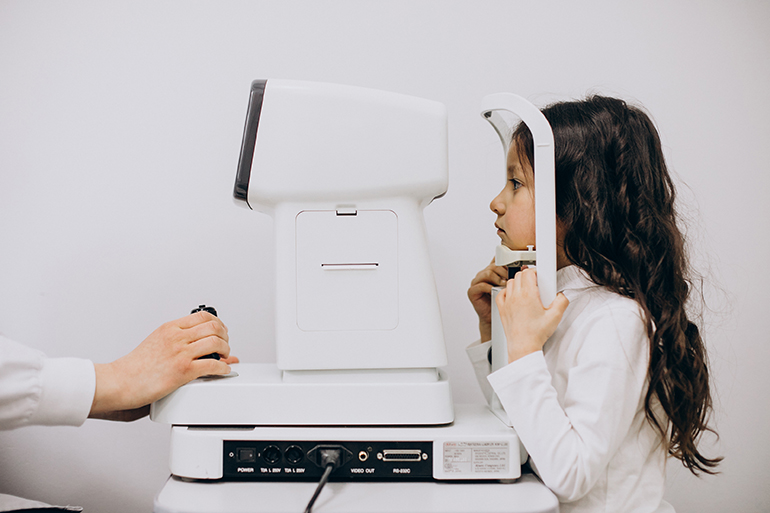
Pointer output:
x,y
516,183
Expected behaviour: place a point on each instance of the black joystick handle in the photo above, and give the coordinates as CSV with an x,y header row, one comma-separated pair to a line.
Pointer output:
x,y
209,309
212,311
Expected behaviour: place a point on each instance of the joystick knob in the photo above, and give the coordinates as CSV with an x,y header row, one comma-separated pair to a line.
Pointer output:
x,y
209,309
212,311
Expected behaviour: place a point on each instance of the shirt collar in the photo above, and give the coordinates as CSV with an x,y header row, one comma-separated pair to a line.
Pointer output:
x,y
572,277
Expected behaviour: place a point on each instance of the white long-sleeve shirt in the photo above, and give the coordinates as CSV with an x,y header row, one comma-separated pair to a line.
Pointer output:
x,y
578,405
35,390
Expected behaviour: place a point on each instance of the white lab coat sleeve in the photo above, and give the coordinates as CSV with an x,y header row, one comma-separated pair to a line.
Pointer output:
x,y
17,504
35,390
478,353
571,439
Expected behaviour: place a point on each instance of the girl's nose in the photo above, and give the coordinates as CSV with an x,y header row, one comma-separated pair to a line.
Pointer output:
x,y
498,205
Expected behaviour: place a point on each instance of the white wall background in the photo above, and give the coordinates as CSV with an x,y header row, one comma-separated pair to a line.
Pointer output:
x,y
120,125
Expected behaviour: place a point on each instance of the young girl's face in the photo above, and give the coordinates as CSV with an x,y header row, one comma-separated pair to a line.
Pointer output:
x,y
515,205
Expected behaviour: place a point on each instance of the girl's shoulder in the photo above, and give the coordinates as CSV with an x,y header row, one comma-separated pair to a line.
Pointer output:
x,y
600,329
600,326
594,307
593,299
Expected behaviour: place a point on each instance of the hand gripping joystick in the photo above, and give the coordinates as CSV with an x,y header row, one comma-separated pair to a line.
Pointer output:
x,y
212,311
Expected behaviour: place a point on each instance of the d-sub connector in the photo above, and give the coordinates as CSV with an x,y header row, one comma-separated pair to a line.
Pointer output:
x,y
401,455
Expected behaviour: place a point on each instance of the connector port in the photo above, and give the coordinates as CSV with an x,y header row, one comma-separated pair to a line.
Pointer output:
x,y
272,454
401,455
318,453
294,454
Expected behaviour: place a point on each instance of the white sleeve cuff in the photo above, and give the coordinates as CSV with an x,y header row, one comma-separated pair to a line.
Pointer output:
x,y
518,370
478,352
68,387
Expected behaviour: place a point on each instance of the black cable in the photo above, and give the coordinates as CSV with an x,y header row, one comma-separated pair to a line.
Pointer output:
x,y
330,458
321,483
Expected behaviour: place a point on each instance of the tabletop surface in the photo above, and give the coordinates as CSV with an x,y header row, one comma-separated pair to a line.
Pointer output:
x,y
525,495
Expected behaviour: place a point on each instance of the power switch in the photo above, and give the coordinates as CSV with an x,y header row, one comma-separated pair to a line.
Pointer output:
x,y
246,455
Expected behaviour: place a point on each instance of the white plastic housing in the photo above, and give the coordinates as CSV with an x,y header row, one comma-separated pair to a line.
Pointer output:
x,y
197,452
345,172
260,394
339,145
518,258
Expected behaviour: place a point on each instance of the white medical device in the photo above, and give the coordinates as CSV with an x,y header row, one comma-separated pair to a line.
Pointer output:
x,y
496,108
345,172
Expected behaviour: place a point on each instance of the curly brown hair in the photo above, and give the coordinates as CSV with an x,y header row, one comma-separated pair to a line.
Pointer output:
x,y
615,204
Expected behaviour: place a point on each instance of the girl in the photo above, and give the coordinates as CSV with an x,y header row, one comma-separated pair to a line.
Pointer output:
x,y
611,377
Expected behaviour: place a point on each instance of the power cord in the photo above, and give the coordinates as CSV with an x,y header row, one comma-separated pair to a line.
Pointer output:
x,y
330,458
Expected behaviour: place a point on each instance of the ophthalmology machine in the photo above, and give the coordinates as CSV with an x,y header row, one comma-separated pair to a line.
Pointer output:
x,y
357,392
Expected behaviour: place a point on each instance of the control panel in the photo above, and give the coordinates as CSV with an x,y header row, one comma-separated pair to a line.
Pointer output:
x,y
301,460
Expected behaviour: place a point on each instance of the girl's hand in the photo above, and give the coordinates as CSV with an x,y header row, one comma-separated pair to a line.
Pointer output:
x,y
480,293
166,360
527,324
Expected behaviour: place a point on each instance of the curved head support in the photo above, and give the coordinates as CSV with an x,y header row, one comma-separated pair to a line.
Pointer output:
x,y
545,181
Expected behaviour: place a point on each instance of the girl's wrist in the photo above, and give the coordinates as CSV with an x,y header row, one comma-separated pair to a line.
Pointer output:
x,y
485,330
518,353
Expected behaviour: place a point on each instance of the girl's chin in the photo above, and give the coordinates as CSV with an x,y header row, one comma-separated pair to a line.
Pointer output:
x,y
510,246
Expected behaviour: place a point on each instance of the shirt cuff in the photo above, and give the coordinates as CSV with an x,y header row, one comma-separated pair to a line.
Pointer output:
x,y
68,386
12,503
511,374
479,351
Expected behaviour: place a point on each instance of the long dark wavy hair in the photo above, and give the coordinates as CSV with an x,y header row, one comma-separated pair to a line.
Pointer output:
x,y
615,205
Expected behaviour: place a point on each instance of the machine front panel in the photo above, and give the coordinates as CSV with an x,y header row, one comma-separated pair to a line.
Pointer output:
x,y
298,461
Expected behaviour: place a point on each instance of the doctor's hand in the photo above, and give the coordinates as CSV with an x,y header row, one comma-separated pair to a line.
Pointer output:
x,y
480,294
163,362
527,324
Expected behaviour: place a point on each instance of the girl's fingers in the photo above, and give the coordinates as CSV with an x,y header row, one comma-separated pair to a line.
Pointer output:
x,y
501,297
494,274
514,285
501,273
529,276
524,283
479,289
559,305
489,276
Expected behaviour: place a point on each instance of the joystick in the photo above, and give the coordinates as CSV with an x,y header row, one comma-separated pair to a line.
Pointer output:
x,y
212,311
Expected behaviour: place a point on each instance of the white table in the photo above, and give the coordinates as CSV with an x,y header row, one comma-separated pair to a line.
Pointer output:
x,y
525,495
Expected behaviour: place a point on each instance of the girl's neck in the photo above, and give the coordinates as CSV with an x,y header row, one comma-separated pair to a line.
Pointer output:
x,y
561,258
